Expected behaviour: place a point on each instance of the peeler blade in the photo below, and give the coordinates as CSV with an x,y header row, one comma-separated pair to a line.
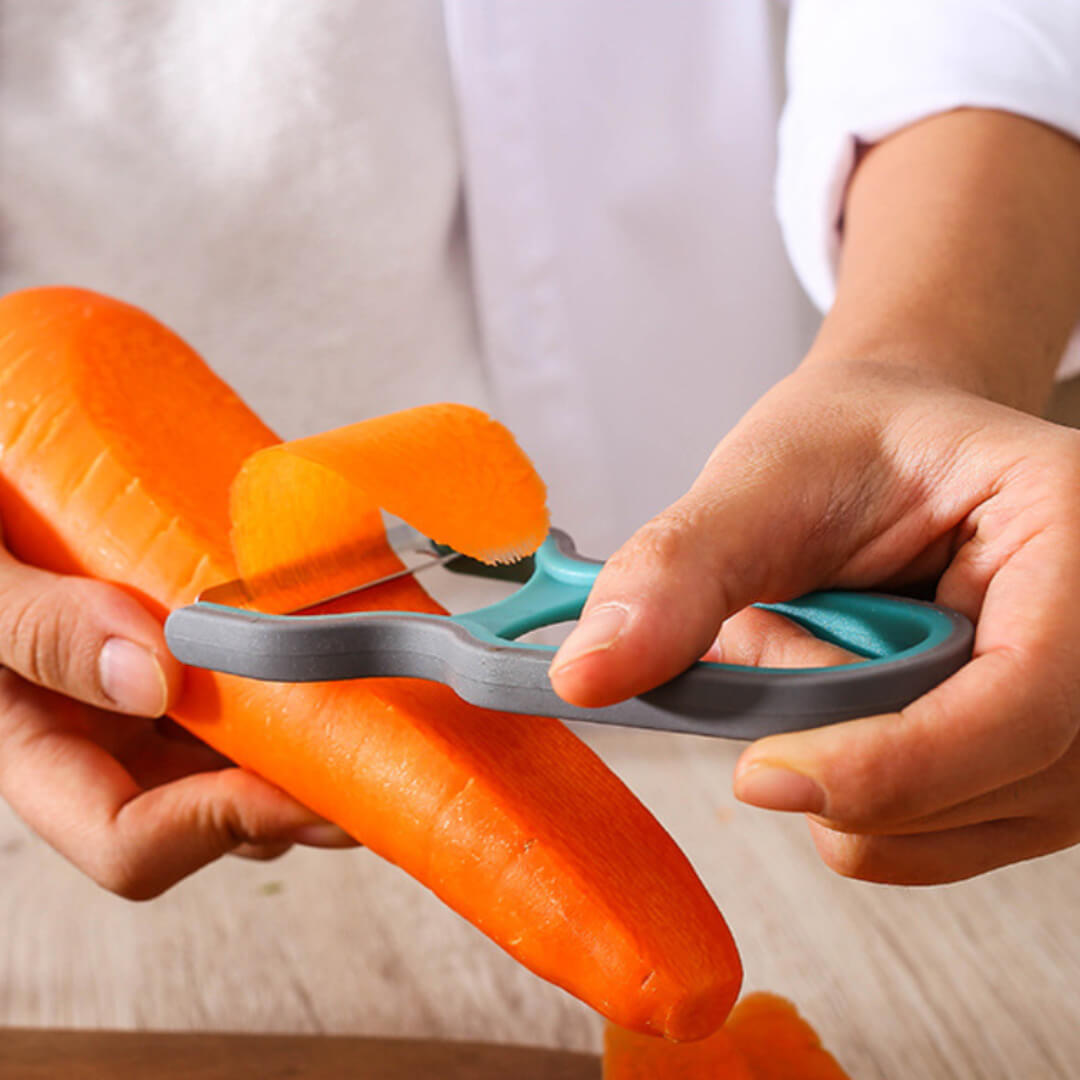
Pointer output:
x,y
410,545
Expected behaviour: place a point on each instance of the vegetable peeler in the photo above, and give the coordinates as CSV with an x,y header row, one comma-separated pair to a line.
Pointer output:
x,y
907,648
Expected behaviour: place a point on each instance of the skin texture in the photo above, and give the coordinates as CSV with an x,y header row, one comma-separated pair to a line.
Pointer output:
x,y
905,449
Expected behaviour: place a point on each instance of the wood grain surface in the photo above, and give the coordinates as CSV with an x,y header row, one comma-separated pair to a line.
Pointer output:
x,y
976,981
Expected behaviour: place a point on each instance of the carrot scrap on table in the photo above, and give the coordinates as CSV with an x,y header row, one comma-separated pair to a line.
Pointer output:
x,y
764,1039
778,1043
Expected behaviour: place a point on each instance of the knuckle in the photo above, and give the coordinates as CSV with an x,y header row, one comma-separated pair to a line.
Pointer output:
x,y
655,544
743,638
44,642
117,872
870,789
267,852
846,854
664,545
663,537
861,857
220,821
227,818
35,633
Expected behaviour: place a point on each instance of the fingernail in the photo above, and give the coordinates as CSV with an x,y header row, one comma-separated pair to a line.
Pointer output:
x,y
774,788
595,633
323,834
132,678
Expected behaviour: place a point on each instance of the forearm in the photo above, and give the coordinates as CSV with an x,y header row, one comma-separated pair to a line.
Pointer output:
x,y
961,255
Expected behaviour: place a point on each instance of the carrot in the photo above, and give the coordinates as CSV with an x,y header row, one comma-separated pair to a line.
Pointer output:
x,y
303,512
764,1039
119,448
778,1043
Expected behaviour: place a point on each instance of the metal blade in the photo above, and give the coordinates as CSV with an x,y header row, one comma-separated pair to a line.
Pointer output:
x,y
409,544
435,560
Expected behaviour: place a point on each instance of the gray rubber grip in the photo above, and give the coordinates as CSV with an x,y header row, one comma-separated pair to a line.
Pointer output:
x,y
708,699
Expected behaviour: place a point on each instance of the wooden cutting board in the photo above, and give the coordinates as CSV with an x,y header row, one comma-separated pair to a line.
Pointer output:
x,y
49,1054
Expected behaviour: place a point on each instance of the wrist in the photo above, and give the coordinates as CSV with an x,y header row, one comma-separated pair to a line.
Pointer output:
x,y
936,355
961,255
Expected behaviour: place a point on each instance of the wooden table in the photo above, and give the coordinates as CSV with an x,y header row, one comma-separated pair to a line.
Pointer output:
x,y
976,981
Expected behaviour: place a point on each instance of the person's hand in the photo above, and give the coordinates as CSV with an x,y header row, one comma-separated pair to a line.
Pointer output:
x,y
136,803
867,475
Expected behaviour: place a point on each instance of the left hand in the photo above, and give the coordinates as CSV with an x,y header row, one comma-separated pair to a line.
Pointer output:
x,y
868,474
91,764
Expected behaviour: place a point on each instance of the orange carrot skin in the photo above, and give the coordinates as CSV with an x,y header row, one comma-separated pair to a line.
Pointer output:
x,y
119,447
778,1043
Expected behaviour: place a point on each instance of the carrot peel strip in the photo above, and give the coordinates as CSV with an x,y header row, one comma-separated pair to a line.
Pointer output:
x,y
305,513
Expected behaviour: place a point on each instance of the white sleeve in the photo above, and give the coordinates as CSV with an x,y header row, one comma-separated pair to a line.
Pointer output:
x,y
859,70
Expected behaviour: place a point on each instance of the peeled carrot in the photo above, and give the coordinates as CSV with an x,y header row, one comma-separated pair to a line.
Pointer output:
x,y
119,448
764,1039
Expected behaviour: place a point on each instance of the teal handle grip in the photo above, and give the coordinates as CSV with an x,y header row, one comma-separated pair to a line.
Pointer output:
x,y
906,647
880,629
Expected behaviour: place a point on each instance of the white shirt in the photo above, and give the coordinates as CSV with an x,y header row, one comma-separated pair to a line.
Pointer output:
x,y
278,181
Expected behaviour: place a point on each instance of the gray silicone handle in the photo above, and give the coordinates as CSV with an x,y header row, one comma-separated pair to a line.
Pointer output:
x,y
708,699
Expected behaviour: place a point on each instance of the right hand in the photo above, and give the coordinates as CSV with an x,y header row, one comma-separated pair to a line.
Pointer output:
x,y
88,759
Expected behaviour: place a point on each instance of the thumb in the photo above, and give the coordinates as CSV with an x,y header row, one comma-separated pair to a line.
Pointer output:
x,y
84,639
659,602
